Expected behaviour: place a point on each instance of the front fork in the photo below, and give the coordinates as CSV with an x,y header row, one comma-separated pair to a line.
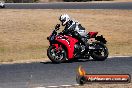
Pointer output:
x,y
58,47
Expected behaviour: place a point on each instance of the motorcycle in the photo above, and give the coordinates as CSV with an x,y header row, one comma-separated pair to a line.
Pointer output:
x,y
64,47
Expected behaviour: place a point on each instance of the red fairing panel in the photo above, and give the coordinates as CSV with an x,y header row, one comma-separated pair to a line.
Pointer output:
x,y
69,42
92,34
57,46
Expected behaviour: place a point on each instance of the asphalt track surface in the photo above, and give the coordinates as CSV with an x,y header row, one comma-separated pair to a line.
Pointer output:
x,y
30,75
87,5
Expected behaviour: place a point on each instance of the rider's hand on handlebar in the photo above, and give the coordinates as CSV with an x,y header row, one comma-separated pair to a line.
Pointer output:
x,y
57,26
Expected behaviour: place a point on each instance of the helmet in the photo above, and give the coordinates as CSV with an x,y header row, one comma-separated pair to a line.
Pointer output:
x,y
64,19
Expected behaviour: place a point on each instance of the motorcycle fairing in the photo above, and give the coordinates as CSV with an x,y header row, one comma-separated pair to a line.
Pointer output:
x,y
69,42
56,46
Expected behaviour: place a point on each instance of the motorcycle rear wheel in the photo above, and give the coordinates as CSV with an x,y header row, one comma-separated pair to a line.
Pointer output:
x,y
56,57
96,55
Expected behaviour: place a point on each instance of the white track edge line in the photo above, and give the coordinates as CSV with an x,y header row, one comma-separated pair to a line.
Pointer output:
x,y
60,86
65,85
52,87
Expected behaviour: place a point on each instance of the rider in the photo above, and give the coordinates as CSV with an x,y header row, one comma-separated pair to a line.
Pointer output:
x,y
73,28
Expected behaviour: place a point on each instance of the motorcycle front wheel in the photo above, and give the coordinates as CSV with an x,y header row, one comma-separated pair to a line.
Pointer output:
x,y
56,56
100,53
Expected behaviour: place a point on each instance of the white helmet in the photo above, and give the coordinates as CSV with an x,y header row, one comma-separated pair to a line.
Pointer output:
x,y
64,19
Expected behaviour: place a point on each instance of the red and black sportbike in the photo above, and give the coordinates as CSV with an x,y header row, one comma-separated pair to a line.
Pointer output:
x,y
66,48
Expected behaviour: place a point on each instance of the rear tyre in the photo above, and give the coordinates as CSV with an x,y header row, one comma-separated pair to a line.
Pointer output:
x,y
100,53
56,56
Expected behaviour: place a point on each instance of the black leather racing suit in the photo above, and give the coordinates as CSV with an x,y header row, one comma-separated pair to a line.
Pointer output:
x,y
70,29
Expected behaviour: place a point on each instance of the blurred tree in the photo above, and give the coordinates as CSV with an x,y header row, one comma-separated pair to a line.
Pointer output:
x,y
76,0
20,1
84,0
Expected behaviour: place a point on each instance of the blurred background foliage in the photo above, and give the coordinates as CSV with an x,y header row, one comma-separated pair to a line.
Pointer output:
x,y
84,0
20,1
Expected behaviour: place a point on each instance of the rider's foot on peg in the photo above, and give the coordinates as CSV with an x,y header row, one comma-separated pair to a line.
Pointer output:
x,y
87,46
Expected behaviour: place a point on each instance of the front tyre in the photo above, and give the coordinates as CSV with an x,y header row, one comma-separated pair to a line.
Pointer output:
x,y
100,53
56,56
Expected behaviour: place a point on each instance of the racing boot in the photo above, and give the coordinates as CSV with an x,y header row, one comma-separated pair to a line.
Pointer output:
x,y
86,46
85,43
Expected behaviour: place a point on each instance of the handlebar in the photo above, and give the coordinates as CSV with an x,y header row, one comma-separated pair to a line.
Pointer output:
x,y
54,33
57,27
